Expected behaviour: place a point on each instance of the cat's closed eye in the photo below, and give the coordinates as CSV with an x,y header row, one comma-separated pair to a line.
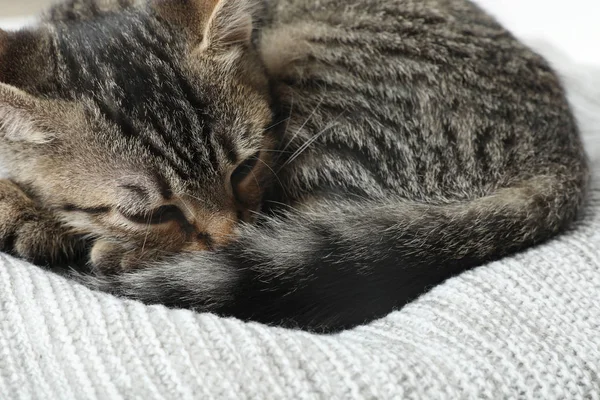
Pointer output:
x,y
243,171
163,214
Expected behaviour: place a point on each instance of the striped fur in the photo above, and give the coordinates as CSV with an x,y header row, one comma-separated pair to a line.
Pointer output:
x,y
412,139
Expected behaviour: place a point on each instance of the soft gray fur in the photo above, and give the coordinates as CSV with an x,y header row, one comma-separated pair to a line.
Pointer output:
x,y
413,139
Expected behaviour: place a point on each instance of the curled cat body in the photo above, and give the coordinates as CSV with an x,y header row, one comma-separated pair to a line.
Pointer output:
x,y
303,163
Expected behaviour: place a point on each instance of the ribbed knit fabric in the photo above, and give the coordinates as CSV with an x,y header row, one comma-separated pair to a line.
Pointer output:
x,y
525,327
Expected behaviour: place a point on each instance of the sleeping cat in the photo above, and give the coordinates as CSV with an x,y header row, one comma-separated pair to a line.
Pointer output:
x,y
310,164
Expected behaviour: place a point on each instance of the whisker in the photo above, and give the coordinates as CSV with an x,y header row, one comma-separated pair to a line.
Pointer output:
x,y
188,208
271,169
307,144
275,151
197,198
146,235
289,118
256,180
305,122
278,123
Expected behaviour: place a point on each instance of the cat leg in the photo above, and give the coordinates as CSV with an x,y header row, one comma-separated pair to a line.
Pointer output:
x,y
32,233
109,257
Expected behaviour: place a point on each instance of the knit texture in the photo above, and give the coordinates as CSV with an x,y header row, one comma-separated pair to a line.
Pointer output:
x,y
525,327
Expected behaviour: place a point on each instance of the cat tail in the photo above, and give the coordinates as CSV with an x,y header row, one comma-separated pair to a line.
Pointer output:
x,y
342,263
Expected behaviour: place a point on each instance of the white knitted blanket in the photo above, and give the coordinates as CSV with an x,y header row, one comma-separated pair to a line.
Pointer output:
x,y
525,327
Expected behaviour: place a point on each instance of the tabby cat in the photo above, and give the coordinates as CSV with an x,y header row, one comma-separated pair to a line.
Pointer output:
x,y
313,164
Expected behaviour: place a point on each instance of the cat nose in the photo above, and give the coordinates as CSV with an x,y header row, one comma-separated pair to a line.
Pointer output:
x,y
213,231
206,239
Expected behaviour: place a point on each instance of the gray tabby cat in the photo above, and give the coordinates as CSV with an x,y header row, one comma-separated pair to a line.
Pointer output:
x,y
311,164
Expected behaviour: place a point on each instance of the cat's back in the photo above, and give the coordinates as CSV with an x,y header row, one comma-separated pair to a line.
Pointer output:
x,y
414,19
434,97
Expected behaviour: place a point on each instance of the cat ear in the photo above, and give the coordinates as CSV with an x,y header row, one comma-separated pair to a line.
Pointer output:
x,y
4,38
24,118
14,123
216,24
25,57
230,23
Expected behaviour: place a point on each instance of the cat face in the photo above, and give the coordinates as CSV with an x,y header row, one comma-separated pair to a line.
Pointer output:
x,y
150,125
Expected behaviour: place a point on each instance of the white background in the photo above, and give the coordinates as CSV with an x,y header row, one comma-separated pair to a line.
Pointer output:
x,y
571,25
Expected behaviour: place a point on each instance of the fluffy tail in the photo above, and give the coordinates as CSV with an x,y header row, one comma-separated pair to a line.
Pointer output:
x,y
345,263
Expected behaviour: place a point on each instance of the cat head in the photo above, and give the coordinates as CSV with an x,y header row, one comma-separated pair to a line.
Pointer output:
x,y
150,124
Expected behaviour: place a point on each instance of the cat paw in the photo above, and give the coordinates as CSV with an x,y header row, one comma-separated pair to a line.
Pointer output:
x,y
106,257
17,212
29,232
109,257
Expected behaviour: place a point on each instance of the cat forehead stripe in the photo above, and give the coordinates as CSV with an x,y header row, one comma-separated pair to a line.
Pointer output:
x,y
149,97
